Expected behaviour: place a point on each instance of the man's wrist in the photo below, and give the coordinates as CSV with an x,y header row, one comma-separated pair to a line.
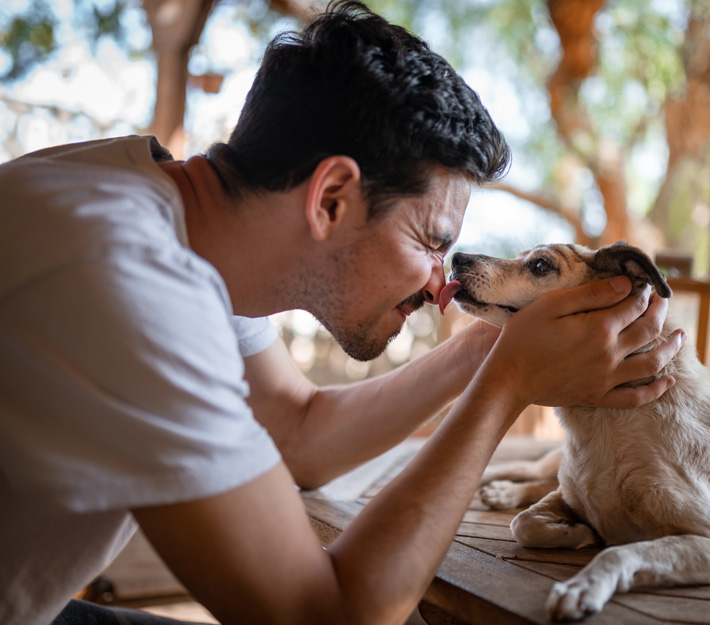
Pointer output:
x,y
498,383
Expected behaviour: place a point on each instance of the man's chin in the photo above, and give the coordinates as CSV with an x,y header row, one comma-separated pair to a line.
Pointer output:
x,y
364,349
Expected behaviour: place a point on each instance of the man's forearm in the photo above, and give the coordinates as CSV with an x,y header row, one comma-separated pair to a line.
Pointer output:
x,y
345,426
238,557
423,505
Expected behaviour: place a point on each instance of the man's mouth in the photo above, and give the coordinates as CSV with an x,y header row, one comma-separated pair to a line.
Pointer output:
x,y
411,304
404,311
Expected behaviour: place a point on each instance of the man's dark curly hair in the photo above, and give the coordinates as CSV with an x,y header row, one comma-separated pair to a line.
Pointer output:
x,y
353,84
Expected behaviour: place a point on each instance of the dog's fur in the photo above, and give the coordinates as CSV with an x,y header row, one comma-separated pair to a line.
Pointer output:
x,y
636,480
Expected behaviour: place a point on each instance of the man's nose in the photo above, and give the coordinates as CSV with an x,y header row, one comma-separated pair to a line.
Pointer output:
x,y
433,287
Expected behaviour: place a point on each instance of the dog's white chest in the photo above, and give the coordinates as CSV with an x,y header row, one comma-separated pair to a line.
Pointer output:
x,y
610,470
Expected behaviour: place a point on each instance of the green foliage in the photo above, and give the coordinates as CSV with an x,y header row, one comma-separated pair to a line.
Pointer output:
x,y
28,39
639,56
639,66
262,22
102,21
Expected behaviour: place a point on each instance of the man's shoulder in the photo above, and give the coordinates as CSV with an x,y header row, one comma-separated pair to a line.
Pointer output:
x,y
131,148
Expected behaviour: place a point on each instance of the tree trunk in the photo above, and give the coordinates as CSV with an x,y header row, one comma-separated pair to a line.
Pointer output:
x,y
176,26
574,22
682,208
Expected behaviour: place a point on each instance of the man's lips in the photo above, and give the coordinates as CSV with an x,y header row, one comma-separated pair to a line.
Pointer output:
x,y
447,294
411,304
404,311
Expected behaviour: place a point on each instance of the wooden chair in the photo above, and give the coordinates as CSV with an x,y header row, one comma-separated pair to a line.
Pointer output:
x,y
702,290
679,268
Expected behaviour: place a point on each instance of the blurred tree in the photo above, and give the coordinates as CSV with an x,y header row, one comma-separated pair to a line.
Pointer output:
x,y
682,207
176,26
610,73
29,39
601,83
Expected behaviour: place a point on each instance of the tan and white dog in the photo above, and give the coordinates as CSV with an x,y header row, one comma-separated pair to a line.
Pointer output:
x,y
636,480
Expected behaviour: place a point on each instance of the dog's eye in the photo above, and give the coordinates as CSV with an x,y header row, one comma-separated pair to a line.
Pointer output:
x,y
540,266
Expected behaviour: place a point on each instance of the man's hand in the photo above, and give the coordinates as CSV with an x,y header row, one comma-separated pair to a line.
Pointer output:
x,y
574,347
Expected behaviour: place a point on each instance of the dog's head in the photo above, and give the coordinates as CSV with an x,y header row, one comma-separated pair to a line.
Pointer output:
x,y
495,288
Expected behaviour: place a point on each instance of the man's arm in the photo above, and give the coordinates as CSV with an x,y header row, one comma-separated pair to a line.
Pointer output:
x,y
250,555
325,432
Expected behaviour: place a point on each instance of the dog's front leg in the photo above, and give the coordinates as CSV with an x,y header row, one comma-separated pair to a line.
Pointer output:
x,y
506,495
520,483
543,468
551,523
667,561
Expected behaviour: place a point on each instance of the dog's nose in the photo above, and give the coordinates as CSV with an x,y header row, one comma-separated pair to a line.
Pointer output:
x,y
461,260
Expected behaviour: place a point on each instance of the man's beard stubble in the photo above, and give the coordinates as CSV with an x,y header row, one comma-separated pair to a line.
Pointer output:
x,y
358,344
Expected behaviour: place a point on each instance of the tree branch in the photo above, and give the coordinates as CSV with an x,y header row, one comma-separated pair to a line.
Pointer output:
x,y
551,205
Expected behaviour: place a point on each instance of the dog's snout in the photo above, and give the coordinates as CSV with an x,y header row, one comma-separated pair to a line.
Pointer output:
x,y
461,260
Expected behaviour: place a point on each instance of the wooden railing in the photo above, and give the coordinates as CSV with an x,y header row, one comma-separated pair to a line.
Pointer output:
x,y
702,289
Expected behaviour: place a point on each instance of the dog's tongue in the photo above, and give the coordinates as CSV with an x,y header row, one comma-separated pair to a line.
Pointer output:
x,y
447,294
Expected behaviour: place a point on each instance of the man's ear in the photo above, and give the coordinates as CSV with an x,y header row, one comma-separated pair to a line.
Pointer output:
x,y
333,189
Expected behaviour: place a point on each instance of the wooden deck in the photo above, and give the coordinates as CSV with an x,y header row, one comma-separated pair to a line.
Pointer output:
x,y
487,578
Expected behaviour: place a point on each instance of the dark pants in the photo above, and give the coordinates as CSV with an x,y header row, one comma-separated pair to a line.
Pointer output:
x,y
87,613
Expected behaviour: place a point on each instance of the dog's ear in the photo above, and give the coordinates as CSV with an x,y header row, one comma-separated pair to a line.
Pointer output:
x,y
620,258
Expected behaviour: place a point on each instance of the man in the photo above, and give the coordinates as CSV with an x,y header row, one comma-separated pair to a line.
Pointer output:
x,y
130,393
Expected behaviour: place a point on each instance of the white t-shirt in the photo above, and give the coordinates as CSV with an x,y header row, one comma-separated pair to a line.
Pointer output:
x,y
122,367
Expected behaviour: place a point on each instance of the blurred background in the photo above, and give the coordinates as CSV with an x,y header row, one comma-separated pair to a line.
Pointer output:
x,y
606,106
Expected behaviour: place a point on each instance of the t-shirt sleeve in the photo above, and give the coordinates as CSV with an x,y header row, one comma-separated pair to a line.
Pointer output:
x,y
127,387
254,335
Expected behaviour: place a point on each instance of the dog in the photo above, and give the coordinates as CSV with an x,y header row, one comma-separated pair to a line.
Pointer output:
x,y
636,481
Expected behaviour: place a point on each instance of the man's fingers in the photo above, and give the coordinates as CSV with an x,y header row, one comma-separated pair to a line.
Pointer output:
x,y
650,363
634,307
626,397
648,326
591,296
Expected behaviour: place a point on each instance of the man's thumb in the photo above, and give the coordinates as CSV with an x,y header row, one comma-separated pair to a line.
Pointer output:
x,y
597,294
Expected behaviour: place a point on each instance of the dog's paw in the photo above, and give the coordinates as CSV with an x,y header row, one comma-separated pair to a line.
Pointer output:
x,y
577,598
500,495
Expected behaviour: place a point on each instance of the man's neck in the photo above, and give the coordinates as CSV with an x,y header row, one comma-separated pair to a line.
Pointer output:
x,y
251,241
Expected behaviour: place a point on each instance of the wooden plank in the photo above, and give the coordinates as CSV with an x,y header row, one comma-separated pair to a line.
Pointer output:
x,y
489,517
484,530
329,518
487,577
690,592
514,551
354,484
553,570
469,585
559,572
671,609
688,604
479,588
433,615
